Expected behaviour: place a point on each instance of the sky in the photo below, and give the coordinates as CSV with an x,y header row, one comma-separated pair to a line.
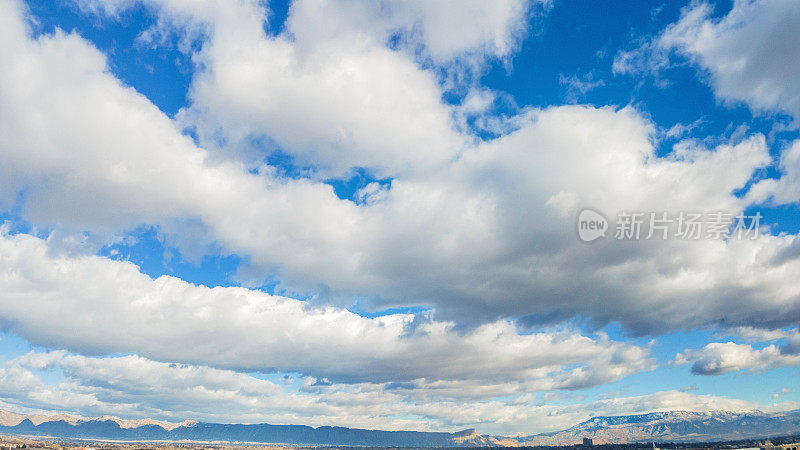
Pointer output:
x,y
503,215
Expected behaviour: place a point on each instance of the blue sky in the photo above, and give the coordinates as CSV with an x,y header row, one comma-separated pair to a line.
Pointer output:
x,y
309,211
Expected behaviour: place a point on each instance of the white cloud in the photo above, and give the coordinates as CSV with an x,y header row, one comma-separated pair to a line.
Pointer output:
x,y
490,236
684,401
785,189
132,386
680,129
747,54
751,334
577,87
333,96
482,232
93,305
718,358
333,103
445,30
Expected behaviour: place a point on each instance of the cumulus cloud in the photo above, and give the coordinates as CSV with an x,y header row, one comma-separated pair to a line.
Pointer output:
x,y
132,386
490,237
718,358
334,96
748,56
479,232
46,297
443,31
748,53
785,189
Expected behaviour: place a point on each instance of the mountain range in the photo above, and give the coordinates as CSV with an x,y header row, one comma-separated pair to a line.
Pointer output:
x,y
672,426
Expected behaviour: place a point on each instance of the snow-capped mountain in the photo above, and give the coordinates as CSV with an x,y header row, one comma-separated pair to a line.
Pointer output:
x,y
675,426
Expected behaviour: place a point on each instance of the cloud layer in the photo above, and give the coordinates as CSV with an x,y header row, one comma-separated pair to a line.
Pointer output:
x,y
490,237
132,386
718,358
47,297
479,233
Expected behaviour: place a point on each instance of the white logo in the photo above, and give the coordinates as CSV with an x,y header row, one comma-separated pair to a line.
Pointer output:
x,y
591,225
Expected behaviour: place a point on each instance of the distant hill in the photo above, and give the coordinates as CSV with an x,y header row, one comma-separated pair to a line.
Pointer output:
x,y
109,428
674,426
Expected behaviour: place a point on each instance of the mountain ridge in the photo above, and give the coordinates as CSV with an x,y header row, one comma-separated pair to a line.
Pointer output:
x,y
8,418
664,426
673,426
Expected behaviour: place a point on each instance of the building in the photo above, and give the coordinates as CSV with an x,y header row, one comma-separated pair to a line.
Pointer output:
x,y
768,446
